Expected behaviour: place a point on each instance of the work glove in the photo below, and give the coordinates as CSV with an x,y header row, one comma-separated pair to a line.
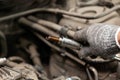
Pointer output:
x,y
99,40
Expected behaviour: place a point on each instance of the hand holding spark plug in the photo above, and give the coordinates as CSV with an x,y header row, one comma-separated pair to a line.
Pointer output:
x,y
102,40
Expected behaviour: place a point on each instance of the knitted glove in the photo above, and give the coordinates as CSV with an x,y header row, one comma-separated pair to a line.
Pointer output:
x,y
101,38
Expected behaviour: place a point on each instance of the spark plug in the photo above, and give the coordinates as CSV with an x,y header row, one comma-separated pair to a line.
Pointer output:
x,y
66,42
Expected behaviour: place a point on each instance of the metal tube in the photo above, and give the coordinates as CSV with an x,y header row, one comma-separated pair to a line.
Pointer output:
x,y
88,73
94,72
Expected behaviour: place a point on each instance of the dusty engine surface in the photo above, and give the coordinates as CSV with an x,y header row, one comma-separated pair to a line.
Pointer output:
x,y
36,39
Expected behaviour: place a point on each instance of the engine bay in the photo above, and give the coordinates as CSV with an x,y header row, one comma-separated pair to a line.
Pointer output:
x,y
37,40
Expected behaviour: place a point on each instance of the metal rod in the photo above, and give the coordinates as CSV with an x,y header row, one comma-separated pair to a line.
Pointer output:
x,y
94,72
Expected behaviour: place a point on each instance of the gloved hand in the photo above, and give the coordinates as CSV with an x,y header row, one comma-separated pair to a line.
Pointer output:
x,y
102,40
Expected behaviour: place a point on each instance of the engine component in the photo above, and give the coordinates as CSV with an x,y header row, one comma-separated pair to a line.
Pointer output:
x,y
14,71
8,73
31,43
65,42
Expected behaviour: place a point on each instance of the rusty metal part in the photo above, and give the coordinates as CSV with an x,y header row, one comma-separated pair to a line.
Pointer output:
x,y
51,38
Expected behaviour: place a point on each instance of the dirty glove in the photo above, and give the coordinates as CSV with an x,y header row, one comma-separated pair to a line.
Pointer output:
x,y
101,38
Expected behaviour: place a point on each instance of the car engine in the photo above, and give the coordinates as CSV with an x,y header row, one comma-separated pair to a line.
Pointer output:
x,y
37,40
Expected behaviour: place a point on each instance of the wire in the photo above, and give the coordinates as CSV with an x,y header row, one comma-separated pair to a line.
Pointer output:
x,y
51,25
37,27
58,11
